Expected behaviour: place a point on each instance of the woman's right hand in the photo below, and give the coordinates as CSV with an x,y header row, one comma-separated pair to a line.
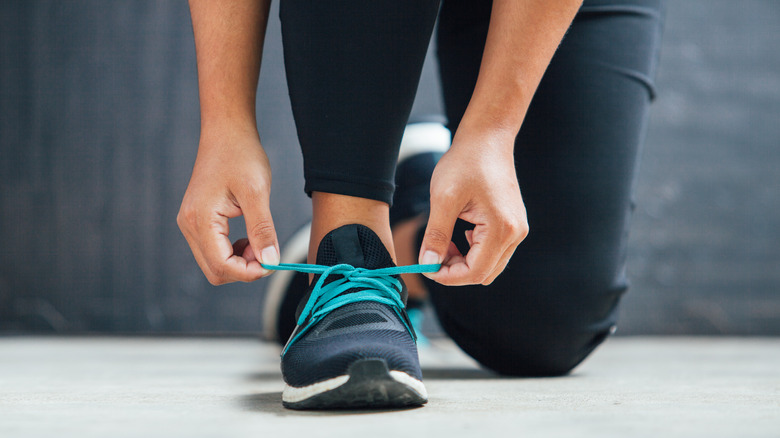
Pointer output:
x,y
231,177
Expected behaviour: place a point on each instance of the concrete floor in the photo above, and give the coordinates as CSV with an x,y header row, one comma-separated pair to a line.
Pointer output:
x,y
228,387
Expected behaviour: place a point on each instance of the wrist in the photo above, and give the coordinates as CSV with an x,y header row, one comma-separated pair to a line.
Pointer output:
x,y
224,127
500,115
484,137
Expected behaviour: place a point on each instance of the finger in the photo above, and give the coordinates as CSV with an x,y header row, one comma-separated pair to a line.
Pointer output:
x,y
502,261
242,248
199,258
217,252
438,233
214,276
508,253
187,226
469,236
260,226
239,246
502,264
484,254
454,264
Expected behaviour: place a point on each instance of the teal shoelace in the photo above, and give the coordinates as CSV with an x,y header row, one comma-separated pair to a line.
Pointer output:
x,y
377,285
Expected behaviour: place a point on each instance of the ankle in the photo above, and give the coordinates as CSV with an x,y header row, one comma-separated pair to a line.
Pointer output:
x,y
331,211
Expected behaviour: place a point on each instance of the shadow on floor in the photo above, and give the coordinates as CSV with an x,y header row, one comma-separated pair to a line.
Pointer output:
x,y
428,374
271,402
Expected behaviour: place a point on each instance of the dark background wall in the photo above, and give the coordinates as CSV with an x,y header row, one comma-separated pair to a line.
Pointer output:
x,y
99,129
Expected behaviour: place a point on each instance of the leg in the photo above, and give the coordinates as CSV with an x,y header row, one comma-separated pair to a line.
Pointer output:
x,y
352,71
576,162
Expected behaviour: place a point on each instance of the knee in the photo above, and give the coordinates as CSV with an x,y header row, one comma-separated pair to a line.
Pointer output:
x,y
542,351
554,358
527,326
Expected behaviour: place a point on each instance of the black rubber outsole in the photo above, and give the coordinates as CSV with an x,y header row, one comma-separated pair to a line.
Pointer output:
x,y
370,386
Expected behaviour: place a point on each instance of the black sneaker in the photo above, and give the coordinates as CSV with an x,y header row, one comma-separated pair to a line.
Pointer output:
x,y
354,346
422,145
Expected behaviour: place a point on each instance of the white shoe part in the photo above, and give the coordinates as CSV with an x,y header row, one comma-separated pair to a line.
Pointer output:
x,y
416,385
292,394
424,137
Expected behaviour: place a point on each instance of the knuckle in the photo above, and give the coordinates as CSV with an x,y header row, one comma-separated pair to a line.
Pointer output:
x,y
490,279
524,230
180,219
509,226
255,189
444,194
437,238
186,217
493,275
217,276
520,228
483,277
214,280
516,227
263,229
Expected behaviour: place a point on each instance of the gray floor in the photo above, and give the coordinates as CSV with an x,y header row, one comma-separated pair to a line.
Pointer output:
x,y
654,387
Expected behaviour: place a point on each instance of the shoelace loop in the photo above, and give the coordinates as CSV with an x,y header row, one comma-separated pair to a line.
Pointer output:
x,y
378,285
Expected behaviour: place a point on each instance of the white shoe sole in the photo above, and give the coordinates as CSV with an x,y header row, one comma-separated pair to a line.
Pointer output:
x,y
368,384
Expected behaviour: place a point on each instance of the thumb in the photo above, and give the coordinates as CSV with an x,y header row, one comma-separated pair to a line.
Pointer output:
x,y
438,233
261,232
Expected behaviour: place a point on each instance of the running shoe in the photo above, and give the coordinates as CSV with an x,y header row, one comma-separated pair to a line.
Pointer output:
x,y
423,143
353,345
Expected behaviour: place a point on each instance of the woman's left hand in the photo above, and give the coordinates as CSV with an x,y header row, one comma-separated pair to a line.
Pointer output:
x,y
475,181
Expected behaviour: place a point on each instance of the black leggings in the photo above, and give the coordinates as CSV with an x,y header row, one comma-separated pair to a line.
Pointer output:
x,y
353,68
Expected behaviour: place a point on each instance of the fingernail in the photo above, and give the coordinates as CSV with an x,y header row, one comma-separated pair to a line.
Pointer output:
x,y
430,258
269,256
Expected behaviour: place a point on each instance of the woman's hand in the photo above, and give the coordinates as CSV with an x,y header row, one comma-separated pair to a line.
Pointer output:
x,y
231,177
474,181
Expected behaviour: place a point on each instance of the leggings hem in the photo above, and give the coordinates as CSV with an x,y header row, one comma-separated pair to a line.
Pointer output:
x,y
376,190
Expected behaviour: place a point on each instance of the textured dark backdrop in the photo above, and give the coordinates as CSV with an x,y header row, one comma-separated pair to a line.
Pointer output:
x,y
99,128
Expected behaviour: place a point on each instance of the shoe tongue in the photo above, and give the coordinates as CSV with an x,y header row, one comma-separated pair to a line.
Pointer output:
x,y
356,245
353,244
